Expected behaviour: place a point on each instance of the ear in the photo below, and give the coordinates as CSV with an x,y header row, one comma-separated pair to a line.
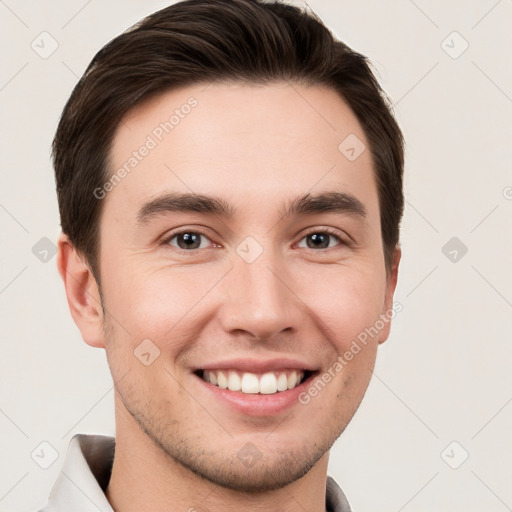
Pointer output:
x,y
391,280
82,293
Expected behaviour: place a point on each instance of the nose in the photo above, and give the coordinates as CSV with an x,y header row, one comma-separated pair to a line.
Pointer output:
x,y
258,298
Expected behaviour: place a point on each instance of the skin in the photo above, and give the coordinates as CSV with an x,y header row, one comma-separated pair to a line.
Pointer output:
x,y
257,147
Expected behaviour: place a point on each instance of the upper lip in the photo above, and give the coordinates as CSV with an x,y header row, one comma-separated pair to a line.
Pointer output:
x,y
258,365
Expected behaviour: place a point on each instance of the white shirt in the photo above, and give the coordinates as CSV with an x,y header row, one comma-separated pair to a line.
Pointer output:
x,y
85,473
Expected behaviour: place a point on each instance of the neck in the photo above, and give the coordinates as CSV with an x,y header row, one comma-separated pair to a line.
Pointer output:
x,y
145,478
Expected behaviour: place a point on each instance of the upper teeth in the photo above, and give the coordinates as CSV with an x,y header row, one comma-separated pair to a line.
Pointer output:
x,y
265,384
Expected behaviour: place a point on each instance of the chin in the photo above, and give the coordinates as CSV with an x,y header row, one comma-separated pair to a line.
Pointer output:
x,y
270,472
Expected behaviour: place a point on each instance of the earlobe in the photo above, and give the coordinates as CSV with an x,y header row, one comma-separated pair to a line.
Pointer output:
x,y
391,281
82,293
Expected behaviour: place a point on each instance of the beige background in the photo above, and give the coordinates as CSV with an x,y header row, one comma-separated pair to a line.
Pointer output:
x,y
443,376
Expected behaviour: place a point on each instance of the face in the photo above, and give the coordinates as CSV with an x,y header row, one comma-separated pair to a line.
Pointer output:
x,y
246,287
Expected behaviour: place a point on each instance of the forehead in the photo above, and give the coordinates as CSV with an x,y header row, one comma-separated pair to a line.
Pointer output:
x,y
254,145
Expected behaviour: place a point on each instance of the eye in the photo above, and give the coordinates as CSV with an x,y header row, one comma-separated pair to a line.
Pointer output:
x,y
322,239
188,240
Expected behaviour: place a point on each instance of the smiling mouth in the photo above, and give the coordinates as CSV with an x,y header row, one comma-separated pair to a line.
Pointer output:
x,y
266,383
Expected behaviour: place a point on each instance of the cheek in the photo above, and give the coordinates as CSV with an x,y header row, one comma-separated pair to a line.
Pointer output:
x,y
346,303
159,304
170,306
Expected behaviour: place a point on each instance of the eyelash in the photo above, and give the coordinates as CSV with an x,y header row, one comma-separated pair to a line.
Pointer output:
x,y
329,231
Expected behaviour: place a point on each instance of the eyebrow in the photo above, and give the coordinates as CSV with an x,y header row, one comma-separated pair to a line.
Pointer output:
x,y
185,202
327,202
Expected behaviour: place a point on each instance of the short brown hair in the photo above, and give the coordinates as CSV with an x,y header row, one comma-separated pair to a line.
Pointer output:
x,y
193,41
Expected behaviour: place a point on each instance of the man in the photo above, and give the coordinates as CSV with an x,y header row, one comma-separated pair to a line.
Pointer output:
x,y
230,188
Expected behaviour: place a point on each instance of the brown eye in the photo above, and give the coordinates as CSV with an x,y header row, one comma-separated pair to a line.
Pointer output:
x,y
187,240
321,240
318,240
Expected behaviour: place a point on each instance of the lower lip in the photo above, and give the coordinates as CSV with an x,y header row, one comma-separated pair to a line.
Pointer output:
x,y
255,404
